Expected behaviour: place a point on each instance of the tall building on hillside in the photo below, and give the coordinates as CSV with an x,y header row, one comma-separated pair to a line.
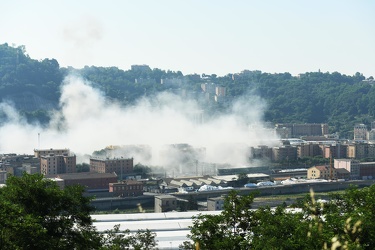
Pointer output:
x,y
305,129
360,132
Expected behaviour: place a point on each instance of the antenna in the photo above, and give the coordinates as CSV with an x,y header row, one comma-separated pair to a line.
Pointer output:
x,y
38,140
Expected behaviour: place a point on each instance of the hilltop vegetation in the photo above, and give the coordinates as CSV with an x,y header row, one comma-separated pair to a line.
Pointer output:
x,y
313,97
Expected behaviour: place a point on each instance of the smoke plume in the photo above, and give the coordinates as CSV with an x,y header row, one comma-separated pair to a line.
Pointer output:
x,y
87,121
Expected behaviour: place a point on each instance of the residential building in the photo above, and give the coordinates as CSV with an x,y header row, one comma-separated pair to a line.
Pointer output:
x,y
43,152
342,173
283,132
306,129
215,204
89,180
360,132
371,150
351,165
126,188
165,203
3,177
367,170
284,153
57,164
261,152
308,150
17,164
371,135
357,150
321,172
335,151
121,166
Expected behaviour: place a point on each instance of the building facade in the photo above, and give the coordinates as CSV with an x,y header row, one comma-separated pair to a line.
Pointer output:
x,y
360,132
351,165
89,180
321,172
308,150
126,188
305,129
367,170
284,153
57,164
43,152
215,204
120,166
165,203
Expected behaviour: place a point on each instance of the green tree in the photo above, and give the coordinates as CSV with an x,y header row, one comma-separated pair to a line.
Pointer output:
x,y
346,221
116,239
36,214
229,230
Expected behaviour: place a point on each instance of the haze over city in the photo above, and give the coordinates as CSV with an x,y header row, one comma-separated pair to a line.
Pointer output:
x,y
197,36
192,37
88,122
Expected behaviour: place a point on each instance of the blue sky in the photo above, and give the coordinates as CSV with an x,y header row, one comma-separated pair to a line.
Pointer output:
x,y
196,36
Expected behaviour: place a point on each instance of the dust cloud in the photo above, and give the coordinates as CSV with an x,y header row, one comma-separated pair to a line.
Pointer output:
x,y
86,121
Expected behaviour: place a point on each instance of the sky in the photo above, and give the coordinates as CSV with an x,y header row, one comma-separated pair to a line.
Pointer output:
x,y
195,36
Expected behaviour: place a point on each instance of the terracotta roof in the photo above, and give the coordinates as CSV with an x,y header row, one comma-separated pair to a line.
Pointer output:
x,y
321,168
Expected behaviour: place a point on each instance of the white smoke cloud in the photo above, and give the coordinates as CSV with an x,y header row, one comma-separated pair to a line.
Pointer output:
x,y
87,122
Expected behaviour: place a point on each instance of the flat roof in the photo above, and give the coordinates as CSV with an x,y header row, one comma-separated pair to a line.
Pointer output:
x,y
83,175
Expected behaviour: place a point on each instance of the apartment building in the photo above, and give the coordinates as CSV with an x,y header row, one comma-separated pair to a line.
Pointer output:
x,y
261,152
360,132
126,188
351,165
90,181
308,150
215,203
56,161
335,151
321,172
165,203
305,129
283,153
367,170
57,164
361,150
42,152
120,166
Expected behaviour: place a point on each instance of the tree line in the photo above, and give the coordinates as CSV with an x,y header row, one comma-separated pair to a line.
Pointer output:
x,y
312,97
344,221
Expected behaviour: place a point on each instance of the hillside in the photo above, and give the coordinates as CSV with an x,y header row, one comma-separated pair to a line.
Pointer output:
x,y
312,97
